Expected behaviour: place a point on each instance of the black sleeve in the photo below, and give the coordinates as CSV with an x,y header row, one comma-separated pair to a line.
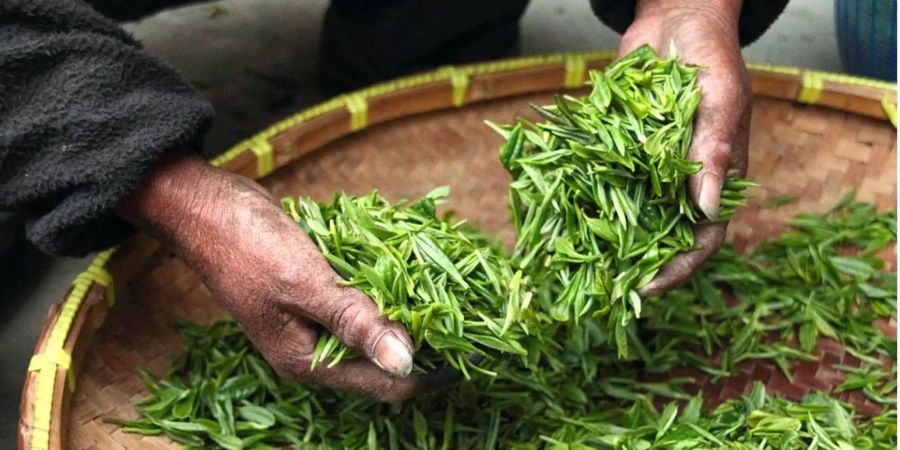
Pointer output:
x,y
84,114
756,16
122,10
364,42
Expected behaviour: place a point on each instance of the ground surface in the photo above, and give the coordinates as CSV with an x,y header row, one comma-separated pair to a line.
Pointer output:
x,y
254,60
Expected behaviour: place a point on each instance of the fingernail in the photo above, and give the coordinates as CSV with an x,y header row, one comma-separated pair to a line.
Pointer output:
x,y
710,193
392,356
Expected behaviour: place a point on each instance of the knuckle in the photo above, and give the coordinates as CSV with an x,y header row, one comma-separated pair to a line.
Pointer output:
x,y
288,367
295,279
716,240
718,156
281,368
304,278
709,238
288,276
346,319
287,348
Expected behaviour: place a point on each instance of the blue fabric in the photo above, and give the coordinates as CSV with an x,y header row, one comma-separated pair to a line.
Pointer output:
x,y
867,37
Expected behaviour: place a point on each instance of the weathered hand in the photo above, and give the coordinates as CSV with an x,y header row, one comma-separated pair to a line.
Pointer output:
x,y
704,33
271,277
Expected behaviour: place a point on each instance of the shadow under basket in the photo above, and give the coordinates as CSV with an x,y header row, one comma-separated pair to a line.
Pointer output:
x,y
814,136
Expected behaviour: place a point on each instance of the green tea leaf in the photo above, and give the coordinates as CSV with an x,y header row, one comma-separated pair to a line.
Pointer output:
x,y
259,416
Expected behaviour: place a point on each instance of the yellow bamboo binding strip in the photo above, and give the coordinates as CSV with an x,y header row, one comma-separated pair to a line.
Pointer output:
x,y
261,147
55,356
459,79
811,89
49,360
890,109
772,68
814,82
99,275
359,111
575,70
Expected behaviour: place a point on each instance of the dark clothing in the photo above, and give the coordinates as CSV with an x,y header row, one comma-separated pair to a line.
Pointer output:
x,y
83,115
395,38
756,16
126,10
85,111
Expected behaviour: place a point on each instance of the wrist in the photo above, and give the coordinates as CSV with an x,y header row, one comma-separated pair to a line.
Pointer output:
x,y
728,11
178,194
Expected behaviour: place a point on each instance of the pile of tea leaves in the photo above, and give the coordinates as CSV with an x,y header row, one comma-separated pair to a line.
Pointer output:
x,y
599,202
825,278
599,194
571,394
452,287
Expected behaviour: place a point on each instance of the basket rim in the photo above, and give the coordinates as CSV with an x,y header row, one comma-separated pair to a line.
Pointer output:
x,y
51,375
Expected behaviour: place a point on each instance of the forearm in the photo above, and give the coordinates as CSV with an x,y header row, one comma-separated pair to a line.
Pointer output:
x,y
749,18
729,10
703,33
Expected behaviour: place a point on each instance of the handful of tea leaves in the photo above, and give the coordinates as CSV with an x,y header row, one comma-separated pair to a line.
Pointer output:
x,y
599,193
454,291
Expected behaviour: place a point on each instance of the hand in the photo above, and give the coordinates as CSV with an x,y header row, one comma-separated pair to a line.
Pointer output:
x,y
271,277
704,33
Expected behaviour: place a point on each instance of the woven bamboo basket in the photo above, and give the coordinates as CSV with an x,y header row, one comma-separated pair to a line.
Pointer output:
x,y
814,135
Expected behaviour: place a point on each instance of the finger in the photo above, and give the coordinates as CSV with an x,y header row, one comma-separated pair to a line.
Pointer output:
x,y
365,378
721,128
309,288
290,349
355,320
362,377
681,268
